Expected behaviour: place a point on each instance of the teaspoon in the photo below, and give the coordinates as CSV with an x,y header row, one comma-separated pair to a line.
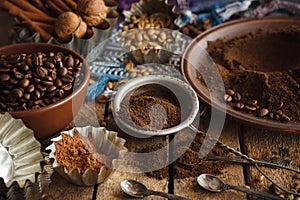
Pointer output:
x,y
136,189
214,184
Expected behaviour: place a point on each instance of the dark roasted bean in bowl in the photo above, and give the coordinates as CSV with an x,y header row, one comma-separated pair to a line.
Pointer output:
x,y
42,84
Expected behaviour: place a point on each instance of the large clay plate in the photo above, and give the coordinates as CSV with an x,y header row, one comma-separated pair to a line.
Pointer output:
x,y
231,29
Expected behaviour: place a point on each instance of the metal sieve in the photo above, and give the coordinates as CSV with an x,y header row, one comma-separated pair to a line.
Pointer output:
x,y
186,96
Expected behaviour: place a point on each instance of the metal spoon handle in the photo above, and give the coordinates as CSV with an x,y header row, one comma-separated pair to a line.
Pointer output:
x,y
166,195
263,195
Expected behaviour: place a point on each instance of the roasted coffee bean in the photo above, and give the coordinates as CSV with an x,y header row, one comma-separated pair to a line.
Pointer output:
x,y
285,118
67,87
4,77
37,94
48,64
38,102
2,106
35,107
63,71
51,88
24,83
42,88
58,83
48,78
47,101
69,61
26,96
4,92
28,75
239,105
250,108
38,59
19,75
253,102
61,93
230,92
13,81
47,83
237,96
263,112
30,88
53,74
5,70
41,71
51,94
59,64
67,79
227,98
36,80
24,67
17,93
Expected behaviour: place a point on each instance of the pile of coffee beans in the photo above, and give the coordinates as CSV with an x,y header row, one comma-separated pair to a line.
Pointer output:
x,y
30,81
253,106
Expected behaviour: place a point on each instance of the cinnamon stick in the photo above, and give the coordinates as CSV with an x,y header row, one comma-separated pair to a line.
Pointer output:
x,y
25,5
57,10
71,4
14,10
47,27
40,5
45,36
62,5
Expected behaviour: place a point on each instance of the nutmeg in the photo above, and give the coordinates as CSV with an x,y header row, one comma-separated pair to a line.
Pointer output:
x,y
68,23
92,11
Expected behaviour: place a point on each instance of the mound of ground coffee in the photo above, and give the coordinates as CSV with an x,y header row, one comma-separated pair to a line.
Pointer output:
x,y
151,107
78,152
260,71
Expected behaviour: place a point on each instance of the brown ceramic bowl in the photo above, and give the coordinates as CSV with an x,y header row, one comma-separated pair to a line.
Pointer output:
x,y
230,30
48,120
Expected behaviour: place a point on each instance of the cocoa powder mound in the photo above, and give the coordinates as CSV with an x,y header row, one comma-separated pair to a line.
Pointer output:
x,y
151,107
78,152
263,67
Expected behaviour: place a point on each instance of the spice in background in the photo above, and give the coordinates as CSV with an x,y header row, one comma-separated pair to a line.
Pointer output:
x,y
151,107
260,71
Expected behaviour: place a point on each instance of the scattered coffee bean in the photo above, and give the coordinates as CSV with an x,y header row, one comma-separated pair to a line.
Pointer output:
x,y
17,93
253,102
239,105
227,98
237,96
250,108
285,118
230,92
263,112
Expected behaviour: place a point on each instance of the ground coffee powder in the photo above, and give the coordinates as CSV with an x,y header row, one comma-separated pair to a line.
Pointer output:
x,y
151,107
261,72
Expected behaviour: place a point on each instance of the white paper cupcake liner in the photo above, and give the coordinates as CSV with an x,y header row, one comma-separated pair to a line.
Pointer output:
x,y
106,142
20,152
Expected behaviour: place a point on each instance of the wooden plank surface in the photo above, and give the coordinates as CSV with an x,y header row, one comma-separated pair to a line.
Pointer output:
x,y
157,180
229,173
266,145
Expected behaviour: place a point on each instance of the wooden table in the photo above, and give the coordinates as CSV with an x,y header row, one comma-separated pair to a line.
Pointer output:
x,y
255,143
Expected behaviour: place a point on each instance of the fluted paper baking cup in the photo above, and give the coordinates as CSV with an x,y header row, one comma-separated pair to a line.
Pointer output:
x,y
106,142
20,152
